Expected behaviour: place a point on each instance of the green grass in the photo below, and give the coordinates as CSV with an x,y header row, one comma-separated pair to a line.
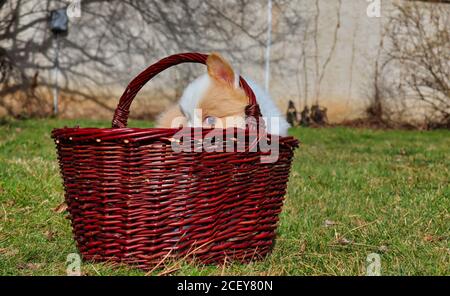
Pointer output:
x,y
378,191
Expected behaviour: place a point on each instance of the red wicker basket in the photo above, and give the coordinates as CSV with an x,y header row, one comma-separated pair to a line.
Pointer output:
x,y
132,199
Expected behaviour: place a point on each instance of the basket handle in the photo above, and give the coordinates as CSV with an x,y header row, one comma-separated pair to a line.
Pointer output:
x,y
123,108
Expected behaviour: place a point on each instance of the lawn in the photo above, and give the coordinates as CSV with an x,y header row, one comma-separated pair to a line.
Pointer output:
x,y
352,192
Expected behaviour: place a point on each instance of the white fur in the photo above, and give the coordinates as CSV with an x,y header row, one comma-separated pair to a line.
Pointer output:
x,y
191,98
275,122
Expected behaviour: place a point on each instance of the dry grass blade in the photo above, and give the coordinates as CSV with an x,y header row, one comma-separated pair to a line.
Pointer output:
x,y
61,208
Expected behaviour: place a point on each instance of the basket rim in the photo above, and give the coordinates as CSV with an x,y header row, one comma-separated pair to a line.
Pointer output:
x,y
136,134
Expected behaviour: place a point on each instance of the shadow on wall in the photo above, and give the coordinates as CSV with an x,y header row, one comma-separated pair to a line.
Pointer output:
x,y
72,107
145,106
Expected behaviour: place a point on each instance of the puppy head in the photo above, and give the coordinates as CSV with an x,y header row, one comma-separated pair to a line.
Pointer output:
x,y
219,100
223,103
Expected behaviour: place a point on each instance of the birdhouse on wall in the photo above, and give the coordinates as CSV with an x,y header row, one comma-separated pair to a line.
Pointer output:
x,y
59,21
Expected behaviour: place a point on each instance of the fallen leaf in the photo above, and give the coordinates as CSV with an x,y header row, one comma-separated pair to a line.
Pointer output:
x,y
60,208
383,249
10,203
360,222
30,266
343,241
8,252
302,247
25,210
428,238
329,223
50,234
431,239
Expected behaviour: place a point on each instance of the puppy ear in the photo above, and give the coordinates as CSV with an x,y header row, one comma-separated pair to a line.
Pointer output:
x,y
219,69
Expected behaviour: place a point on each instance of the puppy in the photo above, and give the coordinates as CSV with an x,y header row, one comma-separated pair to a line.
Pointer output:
x,y
216,100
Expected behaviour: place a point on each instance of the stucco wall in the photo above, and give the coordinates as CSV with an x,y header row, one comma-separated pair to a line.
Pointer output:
x,y
330,59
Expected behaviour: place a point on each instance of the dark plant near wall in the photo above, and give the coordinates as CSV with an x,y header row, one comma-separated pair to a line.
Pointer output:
x,y
291,114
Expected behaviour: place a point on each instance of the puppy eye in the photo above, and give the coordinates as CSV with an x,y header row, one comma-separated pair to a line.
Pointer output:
x,y
210,120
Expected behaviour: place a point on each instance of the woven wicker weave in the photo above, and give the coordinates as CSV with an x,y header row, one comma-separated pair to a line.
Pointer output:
x,y
132,199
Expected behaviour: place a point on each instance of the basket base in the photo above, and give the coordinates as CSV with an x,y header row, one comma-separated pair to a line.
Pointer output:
x,y
152,263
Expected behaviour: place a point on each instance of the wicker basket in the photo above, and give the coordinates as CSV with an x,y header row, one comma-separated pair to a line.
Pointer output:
x,y
132,199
